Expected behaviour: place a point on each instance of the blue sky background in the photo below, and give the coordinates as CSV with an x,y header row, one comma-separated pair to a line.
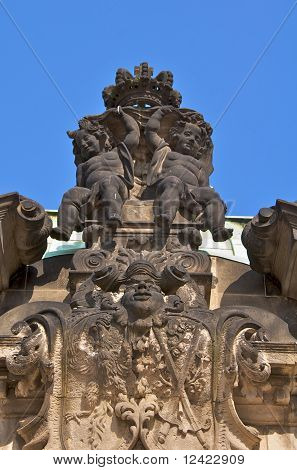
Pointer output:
x,y
210,47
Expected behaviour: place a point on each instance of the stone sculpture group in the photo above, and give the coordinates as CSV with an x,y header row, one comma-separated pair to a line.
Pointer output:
x,y
137,360
173,169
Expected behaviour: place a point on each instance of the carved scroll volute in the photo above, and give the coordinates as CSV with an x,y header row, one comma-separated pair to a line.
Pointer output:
x,y
32,370
33,226
253,368
241,365
31,363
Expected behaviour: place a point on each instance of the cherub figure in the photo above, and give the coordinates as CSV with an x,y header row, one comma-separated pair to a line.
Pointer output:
x,y
179,173
104,176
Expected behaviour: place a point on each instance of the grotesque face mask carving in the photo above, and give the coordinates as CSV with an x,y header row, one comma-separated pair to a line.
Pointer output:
x,y
142,300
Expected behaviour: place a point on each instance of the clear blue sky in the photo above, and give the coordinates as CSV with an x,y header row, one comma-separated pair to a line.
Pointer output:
x,y
209,45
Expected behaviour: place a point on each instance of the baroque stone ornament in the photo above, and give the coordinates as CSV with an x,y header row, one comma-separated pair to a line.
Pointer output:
x,y
270,240
24,229
141,340
139,367
142,149
141,88
31,366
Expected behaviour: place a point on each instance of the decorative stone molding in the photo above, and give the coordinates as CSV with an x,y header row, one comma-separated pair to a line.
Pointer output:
x,y
270,239
137,367
127,355
24,229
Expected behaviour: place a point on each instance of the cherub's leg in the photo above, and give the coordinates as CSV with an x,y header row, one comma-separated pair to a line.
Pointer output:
x,y
113,193
167,202
68,214
214,209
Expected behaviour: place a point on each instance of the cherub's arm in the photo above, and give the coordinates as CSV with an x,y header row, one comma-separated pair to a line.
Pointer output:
x,y
203,178
132,137
79,176
152,128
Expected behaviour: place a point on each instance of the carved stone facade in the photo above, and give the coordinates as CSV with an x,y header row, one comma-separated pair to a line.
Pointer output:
x,y
141,340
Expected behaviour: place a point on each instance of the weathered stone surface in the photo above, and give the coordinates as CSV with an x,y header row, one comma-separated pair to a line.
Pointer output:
x,y
45,280
169,163
270,239
141,340
137,367
24,228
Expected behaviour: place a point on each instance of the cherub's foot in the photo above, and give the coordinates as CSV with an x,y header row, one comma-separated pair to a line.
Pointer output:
x,y
195,238
114,220
59,234
222,234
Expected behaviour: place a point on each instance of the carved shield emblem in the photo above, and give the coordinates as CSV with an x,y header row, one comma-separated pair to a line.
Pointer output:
x,y
128,382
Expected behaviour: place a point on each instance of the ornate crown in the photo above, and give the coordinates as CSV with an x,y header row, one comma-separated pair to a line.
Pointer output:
x,y
141,90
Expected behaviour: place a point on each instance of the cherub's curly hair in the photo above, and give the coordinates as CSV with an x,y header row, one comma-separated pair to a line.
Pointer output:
x,y
197,120
102,133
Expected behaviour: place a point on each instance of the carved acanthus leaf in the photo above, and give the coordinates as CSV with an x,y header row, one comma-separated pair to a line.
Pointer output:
x,y
148,408
128,410
98,423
